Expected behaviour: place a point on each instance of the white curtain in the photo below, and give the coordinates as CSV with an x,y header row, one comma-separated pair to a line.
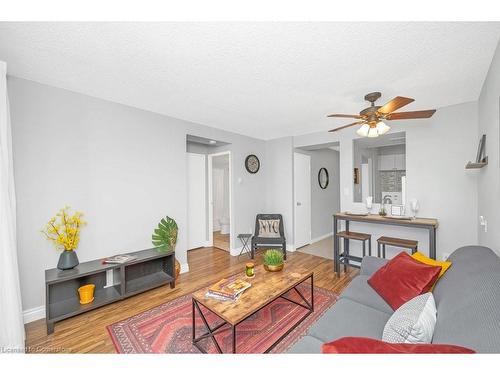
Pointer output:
x,y
11,319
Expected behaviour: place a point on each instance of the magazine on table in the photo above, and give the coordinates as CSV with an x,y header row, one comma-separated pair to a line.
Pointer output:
x,y
119,259
228,289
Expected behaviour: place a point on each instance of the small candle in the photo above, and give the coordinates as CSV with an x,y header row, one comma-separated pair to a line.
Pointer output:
x,y
250,270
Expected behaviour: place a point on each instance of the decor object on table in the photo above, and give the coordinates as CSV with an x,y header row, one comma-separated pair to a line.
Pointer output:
x,y
261,238
356,176
415,206
431,262
397,210
252,164
413,322
402,279
365,345
481,159
165,238
371,117
323,178
250,270
86,293
369,204
273,260
382,211
64,231
171,320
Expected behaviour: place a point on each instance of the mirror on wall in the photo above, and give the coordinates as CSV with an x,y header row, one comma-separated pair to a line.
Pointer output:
x,y
379,169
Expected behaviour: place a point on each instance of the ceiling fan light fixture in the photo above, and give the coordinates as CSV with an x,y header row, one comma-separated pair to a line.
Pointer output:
x,y
363,130
372,133
382,128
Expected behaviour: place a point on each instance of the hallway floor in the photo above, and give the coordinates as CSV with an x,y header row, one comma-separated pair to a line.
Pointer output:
x,y
221,241
323,248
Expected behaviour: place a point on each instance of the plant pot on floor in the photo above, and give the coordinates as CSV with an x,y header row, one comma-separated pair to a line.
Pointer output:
x,y
67,260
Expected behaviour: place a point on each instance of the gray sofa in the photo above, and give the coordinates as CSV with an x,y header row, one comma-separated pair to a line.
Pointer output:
x,y
467,300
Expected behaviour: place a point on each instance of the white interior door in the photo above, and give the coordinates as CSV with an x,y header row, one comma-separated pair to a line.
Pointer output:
x,y
302,198
197,206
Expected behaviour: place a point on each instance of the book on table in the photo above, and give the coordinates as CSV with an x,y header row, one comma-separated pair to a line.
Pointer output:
x,y
228,289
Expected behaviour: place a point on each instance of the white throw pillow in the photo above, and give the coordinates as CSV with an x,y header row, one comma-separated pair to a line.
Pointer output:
x,y
413,322
269,228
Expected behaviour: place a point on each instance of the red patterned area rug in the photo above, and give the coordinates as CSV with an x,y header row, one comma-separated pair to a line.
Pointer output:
x,y
168,327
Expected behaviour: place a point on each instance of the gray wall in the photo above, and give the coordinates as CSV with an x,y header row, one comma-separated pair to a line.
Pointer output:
x,y
279,187
324,202
488,178
123,167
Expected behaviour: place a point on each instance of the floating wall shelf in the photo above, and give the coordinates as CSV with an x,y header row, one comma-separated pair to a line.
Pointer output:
x,y
471,165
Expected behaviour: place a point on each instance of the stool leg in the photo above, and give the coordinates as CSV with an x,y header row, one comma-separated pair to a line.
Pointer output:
x,y
383,251
346,253
378,249
370,247
364,251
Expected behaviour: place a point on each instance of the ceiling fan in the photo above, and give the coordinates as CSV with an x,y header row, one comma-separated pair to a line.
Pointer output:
x,y
371,118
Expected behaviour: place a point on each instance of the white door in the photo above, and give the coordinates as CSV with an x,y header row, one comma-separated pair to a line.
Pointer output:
x,y
302,195
197,208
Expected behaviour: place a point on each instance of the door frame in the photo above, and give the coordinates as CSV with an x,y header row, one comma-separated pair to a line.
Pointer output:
x,y
210,202
296,246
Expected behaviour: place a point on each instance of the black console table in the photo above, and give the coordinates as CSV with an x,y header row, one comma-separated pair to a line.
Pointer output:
x,y
152,268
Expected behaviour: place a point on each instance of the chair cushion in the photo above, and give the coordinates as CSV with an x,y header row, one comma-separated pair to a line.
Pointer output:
x,y
364,345
358,290
269,228
349,318
402,279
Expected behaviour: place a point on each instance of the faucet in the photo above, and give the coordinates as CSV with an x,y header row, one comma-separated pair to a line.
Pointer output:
x,y
387,199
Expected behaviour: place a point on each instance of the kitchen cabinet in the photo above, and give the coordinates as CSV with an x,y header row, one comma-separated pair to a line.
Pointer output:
x,y
392,162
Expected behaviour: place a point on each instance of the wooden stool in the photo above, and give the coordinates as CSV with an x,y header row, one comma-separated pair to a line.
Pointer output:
x,y
397,242
363,237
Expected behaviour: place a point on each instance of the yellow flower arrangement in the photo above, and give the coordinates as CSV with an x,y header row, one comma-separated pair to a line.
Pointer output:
x,y
64,229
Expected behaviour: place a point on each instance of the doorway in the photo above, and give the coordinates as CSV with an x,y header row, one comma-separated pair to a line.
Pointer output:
x,y
209,215
317,197
219,197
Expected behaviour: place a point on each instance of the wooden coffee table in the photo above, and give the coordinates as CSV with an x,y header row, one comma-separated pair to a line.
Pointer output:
x,y
266,288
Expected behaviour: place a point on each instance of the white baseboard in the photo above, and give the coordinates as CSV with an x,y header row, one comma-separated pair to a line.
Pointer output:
x,y
184,267
36,313
317,239
235,252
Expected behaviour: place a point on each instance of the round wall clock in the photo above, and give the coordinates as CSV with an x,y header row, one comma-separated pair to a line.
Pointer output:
x,y
252,164
323,178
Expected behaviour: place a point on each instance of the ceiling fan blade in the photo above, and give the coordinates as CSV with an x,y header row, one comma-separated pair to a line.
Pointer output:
x,y
394,104
347,116
346,126
410,115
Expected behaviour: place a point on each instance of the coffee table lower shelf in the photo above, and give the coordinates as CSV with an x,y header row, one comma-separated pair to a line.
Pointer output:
x,y
225,325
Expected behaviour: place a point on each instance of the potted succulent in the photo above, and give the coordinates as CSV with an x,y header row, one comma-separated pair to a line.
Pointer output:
x,y
165,237
382,212
64,231
273,260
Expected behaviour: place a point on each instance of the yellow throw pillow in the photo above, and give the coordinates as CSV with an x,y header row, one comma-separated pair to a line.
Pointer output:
x,y
423,259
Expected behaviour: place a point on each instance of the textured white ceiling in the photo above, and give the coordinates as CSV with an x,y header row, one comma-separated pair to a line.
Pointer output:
x,y
260,79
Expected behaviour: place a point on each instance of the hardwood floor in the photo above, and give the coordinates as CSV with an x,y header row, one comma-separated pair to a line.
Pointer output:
x,y
221,241
87,333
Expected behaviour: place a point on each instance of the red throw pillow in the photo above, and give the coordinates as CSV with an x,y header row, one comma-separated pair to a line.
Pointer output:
x,y
364,345
403,278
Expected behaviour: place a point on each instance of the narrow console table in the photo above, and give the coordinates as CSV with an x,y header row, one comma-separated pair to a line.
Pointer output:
x,y
425,223
152,268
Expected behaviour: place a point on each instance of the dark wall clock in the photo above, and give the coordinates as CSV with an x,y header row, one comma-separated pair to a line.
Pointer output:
x,y
252,164
323,178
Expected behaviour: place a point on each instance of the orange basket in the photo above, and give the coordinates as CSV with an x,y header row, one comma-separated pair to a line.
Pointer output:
x,y
86,293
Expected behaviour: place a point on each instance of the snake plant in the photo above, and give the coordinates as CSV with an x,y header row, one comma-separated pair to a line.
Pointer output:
x,y
165,235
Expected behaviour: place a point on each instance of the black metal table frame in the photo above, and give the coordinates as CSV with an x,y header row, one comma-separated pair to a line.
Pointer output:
x,y
403,223
212,331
